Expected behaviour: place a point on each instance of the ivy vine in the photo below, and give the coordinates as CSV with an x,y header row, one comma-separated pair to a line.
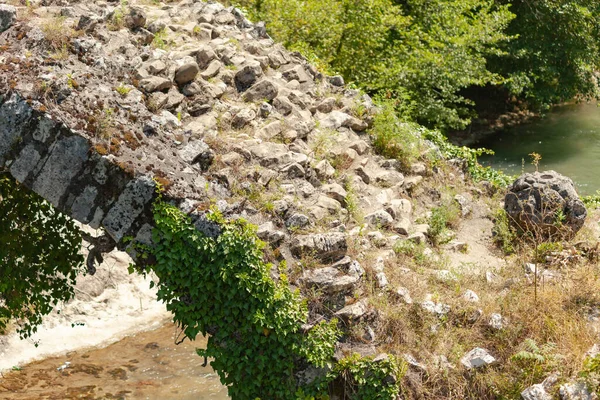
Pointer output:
x,y
221,287
39,257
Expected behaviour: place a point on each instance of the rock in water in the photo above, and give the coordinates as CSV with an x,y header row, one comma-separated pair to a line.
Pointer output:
x,y
545,203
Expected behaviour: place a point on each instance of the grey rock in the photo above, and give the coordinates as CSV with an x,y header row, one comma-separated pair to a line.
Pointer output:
x,y
411,182
336,80
297,221
205,56
248,75
8,16
404,294
327,105
417,238
155,83
156,101
324,169
326,247
399,208
335,191
136,18
86,23
60,167
402,226
243,117
382,280
355,124
329,279
197,152
463,204
536,392
496,322
353,312
156,26
269,233
186,73
360,146
25,163
131,203
264,90
413,363
535,199
438,309
294,170
379,218
418,169
576,391
363,174
212,70
369,335
470,296
265,110
477,358
283,105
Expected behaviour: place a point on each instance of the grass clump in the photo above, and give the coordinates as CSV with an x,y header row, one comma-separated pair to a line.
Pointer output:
x,y
57,33
160,40
503,233
442,218
393,138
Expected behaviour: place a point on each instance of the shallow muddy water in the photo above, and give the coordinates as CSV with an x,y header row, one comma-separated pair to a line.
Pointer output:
x,y
147,365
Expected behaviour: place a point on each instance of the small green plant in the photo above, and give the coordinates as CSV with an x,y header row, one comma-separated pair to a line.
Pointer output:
x,y
441,218
503,233
56,33
416,251
546,249
117,20
393,138
590,374
476,171
366,379
535,160
592,201
160,39
559,218
534,362
123,90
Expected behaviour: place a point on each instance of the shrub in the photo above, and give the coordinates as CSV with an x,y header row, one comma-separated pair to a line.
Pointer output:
x,y
503,233
393,138
441,218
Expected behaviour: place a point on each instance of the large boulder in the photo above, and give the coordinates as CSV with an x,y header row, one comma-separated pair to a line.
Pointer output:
x,y
545,203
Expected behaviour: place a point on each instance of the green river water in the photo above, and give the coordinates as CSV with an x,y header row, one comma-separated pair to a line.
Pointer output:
x,y
568,139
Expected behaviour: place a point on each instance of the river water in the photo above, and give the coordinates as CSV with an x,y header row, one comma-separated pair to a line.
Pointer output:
x,y
568,140
146,365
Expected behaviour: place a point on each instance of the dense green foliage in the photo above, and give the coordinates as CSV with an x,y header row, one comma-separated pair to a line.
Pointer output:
x,y
555,50
221,286
367,379
39,257
424,53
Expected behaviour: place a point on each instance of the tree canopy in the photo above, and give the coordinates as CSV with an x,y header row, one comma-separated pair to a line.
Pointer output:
x,y
426,52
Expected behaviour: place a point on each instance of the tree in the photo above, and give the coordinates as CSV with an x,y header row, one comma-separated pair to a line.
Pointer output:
x,y
555,51
39,257
422,52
